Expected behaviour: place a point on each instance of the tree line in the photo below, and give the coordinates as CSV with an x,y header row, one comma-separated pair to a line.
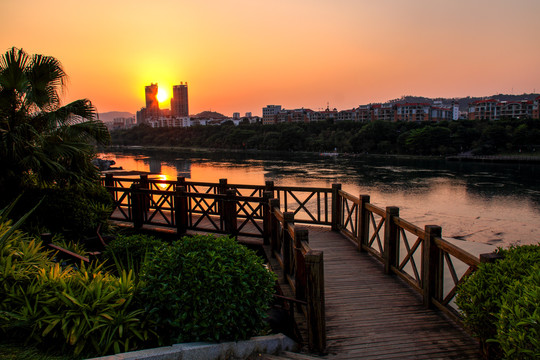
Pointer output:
x,y
444,138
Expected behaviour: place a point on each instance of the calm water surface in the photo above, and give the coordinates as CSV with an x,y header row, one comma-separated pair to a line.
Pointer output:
x,y
497,204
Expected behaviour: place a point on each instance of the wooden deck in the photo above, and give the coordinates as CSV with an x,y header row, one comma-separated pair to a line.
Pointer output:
x,y
370,315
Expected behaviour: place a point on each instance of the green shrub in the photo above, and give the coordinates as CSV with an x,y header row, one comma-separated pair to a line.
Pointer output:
x,y
74,211
480,297
83,310
518,331
206,289
129,251
77,248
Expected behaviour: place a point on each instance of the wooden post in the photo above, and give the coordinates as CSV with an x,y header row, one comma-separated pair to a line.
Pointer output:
x,y
336,207
287,245
137,206
229,212
181,181
267,217
222,187
432,266
269,186
363,222
109,184
146,198
391,237
300,235
315,301
181,210
274,228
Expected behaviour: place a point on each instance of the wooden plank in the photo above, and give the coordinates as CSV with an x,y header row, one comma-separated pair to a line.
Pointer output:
x,y
371,315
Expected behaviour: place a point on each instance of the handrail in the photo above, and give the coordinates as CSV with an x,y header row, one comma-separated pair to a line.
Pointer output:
x,y
302,270
419,256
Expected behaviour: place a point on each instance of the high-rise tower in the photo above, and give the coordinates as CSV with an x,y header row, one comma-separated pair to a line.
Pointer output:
x,y
179,101
152,104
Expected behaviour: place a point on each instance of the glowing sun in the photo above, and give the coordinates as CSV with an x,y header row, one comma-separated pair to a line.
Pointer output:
x,y
162,95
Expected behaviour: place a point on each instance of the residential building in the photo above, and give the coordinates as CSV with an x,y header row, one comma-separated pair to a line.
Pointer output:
x,y
441,113
516,109
179,101
347,115
152,104
483,110
364,113
412,112
536,109
269,114
383,112
121,123
327,114
492,109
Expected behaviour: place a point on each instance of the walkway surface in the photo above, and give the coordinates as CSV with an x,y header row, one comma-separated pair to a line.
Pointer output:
x,y
370,315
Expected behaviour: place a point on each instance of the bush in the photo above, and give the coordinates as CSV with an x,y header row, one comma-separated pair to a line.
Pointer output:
x,y
83,310
480,297
129,251
518,331
205,289
73,211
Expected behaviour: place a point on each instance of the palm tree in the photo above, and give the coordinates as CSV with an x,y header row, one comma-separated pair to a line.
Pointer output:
x,y
41,142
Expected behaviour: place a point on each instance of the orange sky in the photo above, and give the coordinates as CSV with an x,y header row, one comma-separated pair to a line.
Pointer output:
x,y
240,55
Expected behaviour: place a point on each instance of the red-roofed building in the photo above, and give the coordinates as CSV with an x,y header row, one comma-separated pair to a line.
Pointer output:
x,y
516,109
536,109
364,113
383,112
412,112
483,110
492,109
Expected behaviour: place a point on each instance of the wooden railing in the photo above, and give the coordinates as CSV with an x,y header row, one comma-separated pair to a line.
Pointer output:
x,y
232,209
303,270
431,265
420,256
310,205
211,207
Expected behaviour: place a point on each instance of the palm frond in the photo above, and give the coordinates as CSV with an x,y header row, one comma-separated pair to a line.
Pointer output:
x,y
46,76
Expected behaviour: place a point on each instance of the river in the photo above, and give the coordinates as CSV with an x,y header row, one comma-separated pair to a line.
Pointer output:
x,y
496,204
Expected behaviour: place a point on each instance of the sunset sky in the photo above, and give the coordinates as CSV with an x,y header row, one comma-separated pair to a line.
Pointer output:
x,y
240,55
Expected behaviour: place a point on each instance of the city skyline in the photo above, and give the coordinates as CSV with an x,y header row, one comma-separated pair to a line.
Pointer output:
x,y
241,56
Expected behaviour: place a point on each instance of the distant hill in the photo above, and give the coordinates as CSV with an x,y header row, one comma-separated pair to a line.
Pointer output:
x,y
208,115
109,116
463,102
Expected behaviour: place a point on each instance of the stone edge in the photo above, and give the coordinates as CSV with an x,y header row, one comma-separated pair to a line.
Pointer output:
x,y
271,344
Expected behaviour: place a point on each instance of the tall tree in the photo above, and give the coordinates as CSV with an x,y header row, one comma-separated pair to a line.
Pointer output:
x,y
41,141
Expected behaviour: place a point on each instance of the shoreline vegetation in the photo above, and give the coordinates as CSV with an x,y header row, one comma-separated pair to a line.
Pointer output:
x,y
514,140
524,158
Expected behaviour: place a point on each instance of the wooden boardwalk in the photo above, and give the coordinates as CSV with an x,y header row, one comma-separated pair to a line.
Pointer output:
x,y
370,315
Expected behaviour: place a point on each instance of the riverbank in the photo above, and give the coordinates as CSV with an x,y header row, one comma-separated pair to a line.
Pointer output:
x,y
521,159
532,158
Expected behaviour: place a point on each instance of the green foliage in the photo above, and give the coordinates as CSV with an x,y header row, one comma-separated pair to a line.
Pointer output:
x,y
74,211
84,310
75,247
481,296
518,331
41,142
206,289
129,251
425,138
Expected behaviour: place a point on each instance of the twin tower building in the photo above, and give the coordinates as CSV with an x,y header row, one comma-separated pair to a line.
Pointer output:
x,y
152,113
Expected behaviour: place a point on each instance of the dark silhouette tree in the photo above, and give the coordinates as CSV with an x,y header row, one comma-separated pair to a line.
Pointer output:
x,y
42,142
